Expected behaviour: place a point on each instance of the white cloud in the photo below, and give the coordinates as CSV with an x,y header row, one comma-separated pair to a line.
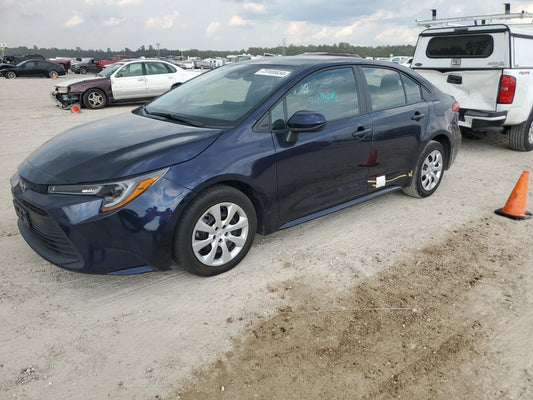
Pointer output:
x,y
165,22
120,3
113,21
75,20
212,28
255,7
124,3
237,21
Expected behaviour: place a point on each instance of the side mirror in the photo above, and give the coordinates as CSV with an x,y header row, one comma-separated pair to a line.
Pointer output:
x,y
304,121
119,75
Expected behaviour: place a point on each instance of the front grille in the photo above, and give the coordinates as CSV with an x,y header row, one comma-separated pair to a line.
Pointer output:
x,y
47,238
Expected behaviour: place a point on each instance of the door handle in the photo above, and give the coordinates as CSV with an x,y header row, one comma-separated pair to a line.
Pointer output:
x,y
140,79
418,116
361,133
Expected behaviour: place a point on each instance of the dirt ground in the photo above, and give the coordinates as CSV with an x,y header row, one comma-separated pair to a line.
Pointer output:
x,y
394,298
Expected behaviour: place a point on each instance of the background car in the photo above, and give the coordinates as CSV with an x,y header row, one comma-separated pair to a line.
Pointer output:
x,y
123,81
84,66
33,68
188,179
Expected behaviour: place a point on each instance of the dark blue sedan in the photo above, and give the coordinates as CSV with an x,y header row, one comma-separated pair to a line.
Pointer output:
x,y
188,179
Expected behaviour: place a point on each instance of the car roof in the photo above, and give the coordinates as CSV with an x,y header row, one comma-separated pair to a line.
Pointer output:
x,y
309,60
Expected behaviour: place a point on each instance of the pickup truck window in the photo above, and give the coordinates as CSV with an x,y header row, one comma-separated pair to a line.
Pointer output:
x,y
456,46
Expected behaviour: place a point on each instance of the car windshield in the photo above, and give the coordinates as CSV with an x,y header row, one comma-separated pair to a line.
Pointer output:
x,y
223,96
107,71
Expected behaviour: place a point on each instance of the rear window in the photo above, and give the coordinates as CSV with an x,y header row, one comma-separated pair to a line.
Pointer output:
x,y
468,46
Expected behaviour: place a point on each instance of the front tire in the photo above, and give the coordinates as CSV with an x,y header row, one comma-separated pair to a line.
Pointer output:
x,y
94,99
521,136
429,171
11,75
83,70
215,231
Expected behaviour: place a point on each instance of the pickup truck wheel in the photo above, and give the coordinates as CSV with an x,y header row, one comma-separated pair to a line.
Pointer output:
x,y
521,136
94,99
429,171
11,75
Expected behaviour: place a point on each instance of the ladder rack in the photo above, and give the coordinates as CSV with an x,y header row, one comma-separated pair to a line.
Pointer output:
x,y
477,19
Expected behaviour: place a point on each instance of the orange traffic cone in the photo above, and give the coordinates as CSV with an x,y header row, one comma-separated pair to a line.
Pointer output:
x,y
515,207
75,108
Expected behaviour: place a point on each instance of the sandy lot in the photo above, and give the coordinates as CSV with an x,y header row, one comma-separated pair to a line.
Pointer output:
x,y
394,298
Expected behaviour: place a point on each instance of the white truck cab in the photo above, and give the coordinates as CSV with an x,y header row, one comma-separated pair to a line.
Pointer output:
x,y
488,68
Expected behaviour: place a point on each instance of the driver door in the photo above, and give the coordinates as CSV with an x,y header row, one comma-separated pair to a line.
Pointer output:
x,y
129,82
323,168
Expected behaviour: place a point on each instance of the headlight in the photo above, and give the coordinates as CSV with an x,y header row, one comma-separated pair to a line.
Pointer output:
x,y
113,194
62,89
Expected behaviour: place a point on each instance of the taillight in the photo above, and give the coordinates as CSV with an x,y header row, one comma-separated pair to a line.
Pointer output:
x,y
507,89
456,107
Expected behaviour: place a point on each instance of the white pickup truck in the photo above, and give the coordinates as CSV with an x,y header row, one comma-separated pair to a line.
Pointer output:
x,y
489,71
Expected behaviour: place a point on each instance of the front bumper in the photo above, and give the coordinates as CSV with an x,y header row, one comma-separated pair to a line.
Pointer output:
x,y
71,232
65,100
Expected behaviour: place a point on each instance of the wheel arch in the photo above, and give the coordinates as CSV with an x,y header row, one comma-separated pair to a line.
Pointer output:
x,y
260,201
444,140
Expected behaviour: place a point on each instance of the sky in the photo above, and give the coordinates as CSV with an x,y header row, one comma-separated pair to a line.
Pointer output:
x,y
225,24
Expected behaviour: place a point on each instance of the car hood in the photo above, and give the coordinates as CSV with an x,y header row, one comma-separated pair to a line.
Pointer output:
x,y
113,148
78,81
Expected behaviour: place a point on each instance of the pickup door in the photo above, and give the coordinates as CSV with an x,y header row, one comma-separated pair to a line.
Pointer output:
x,y
473,89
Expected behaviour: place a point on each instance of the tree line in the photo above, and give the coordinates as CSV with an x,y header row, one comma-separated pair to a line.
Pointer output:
x,y
150,51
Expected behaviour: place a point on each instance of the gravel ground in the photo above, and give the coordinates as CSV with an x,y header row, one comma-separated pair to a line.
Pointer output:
x,y
393,298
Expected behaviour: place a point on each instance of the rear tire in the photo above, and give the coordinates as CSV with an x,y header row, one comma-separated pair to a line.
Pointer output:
x,y
429,171
53,74
215,231
521,136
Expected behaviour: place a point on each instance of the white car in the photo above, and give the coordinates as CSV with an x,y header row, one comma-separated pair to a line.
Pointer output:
x,y
130,81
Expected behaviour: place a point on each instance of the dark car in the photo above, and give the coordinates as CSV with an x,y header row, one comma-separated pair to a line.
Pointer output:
x,y
248,147
16,59
84,67
33,68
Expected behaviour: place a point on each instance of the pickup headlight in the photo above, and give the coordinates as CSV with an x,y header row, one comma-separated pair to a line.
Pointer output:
x,y
114,194
62,89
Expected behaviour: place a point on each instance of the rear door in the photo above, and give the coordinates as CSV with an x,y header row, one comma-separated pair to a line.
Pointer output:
x,y
465,62
399,118
159,77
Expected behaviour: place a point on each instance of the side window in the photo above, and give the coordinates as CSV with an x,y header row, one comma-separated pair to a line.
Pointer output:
x,y
155,68
385,87
29,64
413,92
134,69
277,116
332,93
171,69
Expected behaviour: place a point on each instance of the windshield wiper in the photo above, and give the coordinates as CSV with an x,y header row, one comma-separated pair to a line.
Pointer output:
x,y
174,117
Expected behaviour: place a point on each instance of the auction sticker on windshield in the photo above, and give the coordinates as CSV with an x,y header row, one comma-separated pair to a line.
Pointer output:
x,y
273,72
